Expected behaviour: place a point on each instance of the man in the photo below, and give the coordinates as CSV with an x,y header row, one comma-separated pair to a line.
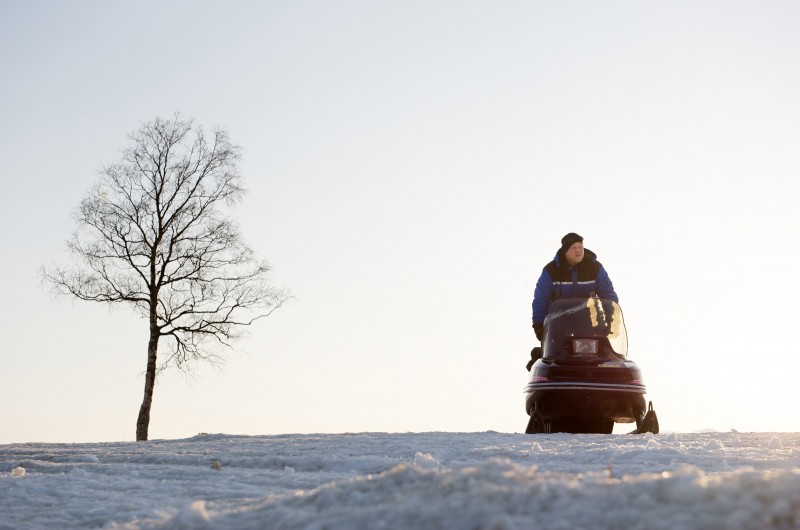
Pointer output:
x,y
574,273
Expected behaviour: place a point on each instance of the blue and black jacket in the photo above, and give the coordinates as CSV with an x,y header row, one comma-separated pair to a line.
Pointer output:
x,y
560,280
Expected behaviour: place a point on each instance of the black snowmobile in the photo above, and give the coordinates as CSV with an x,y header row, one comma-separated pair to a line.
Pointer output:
x,y
580,379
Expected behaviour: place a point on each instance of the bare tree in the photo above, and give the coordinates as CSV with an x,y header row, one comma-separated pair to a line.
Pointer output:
x,y
151,233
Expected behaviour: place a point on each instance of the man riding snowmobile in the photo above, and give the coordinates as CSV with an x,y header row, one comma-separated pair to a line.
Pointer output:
x,y
573,273
580,378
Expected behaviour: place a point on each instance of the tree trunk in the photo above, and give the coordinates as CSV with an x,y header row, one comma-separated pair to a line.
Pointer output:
x,y
143,422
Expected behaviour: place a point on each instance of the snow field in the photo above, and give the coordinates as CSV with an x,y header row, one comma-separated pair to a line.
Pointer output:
x,y
423,481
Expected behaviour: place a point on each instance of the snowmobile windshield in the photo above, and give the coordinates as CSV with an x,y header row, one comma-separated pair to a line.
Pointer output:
x,y
580,326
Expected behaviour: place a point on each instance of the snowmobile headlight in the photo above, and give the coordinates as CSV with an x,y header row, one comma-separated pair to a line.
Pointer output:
x,y
585,346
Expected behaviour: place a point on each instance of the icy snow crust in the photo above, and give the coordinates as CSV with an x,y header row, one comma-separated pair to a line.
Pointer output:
x,y
420,481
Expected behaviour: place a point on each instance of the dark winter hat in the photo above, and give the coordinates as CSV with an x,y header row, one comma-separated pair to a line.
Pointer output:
x,y
569,239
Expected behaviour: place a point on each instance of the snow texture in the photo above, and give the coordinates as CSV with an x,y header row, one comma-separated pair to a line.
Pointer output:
x,y
486,480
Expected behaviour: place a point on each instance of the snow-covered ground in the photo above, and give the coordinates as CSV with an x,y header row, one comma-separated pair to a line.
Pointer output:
x,y
427,480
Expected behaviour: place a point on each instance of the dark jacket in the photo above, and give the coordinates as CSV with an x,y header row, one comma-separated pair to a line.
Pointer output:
x,y
559,280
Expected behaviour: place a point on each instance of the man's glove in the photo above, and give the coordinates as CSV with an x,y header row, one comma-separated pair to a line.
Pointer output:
x,y
538,329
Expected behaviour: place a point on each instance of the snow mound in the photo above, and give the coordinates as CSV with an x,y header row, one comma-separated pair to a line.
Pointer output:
x,y
425,461
502,494
671,438
193,515
775,443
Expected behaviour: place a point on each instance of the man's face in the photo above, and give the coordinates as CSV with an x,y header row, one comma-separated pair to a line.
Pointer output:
x,y
574,253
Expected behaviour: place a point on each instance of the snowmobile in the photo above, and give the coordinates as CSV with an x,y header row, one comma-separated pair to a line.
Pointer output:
x,y
580,378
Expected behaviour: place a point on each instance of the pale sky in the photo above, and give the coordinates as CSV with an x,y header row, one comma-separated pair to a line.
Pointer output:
x,y
412,166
